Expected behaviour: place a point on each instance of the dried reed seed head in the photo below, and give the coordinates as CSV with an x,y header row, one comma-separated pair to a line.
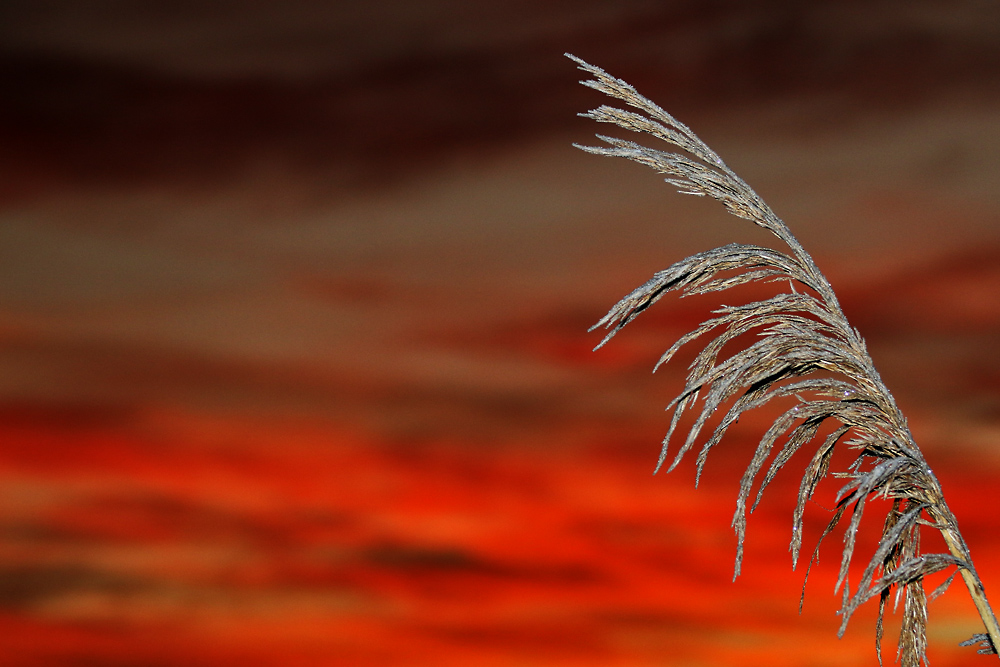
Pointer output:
x,y
799,334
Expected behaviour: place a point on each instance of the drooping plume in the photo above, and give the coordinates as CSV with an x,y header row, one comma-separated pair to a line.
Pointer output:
x,y
805,349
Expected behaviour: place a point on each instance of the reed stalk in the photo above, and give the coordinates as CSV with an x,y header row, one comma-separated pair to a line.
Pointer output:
x,y
805,350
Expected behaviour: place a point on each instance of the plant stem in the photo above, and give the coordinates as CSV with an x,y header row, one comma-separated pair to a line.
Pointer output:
x,y
960,550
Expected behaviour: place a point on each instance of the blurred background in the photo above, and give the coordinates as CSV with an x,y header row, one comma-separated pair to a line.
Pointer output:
x,y
294,362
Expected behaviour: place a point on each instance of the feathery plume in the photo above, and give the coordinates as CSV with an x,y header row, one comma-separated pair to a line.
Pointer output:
x,y
803,339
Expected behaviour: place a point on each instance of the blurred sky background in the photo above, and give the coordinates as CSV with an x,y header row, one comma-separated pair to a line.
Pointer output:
x,y
294,367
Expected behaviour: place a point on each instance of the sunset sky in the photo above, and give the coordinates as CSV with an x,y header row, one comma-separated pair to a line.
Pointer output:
x,y
294,361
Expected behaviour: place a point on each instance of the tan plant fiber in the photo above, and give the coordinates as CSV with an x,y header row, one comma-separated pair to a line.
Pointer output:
x,y
803,338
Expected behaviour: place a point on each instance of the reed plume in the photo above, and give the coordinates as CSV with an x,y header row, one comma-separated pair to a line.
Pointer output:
x,y
805,349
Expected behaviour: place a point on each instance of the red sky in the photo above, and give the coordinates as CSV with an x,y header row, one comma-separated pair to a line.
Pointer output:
x,y
294,367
